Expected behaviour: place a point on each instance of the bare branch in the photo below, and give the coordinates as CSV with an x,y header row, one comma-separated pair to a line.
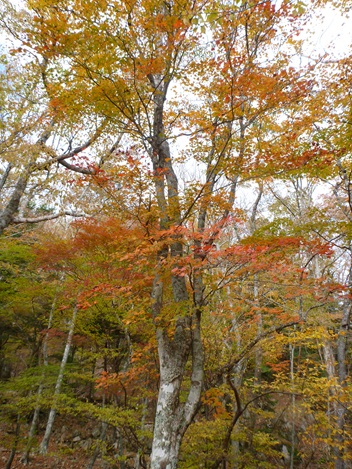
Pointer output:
x,y
112,149
5,176
77,169
61,159
52,216
228,367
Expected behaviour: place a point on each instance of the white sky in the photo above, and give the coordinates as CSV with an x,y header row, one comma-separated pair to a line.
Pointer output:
x,y
332,33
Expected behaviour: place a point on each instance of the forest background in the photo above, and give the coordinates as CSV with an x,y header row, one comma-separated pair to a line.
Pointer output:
x,y
175,223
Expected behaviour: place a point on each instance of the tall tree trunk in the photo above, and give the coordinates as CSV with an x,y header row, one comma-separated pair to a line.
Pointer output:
x,y
49,426
342,375
35,419
259,351
172,417
341,345
293,406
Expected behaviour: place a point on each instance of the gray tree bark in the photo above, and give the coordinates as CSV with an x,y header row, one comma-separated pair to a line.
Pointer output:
x,y
341,343
49,426
340,408
10,210
172,417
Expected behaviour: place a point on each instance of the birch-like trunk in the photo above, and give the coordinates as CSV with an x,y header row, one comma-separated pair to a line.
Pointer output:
x,y
49,426
35,419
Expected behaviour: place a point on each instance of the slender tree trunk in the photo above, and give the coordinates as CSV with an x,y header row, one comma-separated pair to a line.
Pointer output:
x,y
49,426
341,355
338,370
259,351
15,443
293,405
340,463
35,419
32,430
238,372
5,176
137,461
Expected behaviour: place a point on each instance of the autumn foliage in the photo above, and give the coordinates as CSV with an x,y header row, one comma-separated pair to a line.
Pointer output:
x,y
175,226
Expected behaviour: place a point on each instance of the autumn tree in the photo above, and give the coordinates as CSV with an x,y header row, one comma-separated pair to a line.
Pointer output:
x,y
333,134
206,85
40,140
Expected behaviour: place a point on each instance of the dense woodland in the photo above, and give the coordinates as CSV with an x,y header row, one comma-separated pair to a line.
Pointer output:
x,y
176,235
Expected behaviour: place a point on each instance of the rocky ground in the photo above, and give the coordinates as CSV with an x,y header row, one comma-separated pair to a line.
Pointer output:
x,y
71,447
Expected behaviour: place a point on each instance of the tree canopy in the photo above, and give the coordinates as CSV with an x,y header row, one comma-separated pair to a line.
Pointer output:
x,y
196,311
